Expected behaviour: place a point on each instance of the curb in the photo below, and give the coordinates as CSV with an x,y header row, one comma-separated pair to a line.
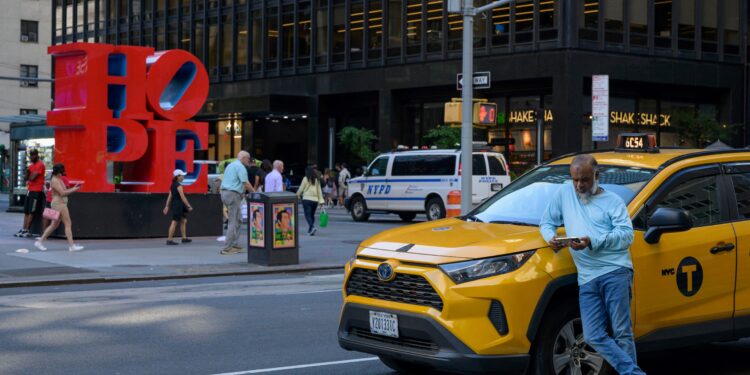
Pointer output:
x,y
121,279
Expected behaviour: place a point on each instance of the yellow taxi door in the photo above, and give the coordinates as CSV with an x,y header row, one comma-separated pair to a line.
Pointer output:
x,y
685,282
739,173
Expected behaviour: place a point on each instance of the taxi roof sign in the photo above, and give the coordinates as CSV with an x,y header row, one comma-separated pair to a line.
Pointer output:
x,y
636,142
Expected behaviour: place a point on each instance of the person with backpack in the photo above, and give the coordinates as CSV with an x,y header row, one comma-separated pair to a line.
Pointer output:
x,y
312,195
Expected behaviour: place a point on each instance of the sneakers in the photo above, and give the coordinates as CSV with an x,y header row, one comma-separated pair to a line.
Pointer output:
x,y
186,240
75,248
170,242
231,250
313,231
39,245
20,233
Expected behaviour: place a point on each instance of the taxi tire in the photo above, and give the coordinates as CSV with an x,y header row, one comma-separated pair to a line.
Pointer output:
x,y
404,367
364,216
555,319
407,216
434,201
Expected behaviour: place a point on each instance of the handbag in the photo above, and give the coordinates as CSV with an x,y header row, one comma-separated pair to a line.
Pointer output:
x,y
51,214
323,218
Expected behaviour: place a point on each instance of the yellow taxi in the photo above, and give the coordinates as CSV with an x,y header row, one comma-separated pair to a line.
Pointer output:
x,y
485,293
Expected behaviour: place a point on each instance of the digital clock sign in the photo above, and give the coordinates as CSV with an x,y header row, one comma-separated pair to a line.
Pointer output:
x,y
638,142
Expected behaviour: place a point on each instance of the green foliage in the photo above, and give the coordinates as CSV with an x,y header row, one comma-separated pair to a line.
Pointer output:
x,y
700,129
443,137
359,142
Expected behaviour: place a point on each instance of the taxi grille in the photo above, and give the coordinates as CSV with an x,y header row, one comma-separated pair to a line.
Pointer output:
x,y
411,289
407,342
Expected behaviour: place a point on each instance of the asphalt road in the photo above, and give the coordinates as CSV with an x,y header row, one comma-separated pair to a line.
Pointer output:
x,y
279,324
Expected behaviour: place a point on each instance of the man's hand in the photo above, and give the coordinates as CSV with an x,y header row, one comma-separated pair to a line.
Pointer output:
x,y
584,243
555,244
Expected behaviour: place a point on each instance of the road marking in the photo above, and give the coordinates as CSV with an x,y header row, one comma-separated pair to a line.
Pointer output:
x,y
260,371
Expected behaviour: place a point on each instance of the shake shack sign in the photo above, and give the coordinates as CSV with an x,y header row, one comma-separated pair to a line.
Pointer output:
x,y
615,118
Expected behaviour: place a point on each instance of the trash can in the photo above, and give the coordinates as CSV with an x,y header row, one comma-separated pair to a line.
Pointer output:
x,y
272,234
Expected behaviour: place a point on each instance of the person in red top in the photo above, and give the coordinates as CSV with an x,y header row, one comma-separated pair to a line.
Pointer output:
x,y
35,199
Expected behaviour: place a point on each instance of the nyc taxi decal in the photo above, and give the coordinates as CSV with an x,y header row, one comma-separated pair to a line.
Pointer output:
x,y
689,276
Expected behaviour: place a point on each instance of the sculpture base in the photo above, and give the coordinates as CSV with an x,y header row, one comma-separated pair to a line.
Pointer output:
x,y
139,215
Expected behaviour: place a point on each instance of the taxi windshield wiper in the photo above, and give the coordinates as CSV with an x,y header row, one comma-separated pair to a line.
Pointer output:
x,y
473,218
513,223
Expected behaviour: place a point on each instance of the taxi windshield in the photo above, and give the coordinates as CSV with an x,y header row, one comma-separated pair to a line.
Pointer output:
x,y
524,201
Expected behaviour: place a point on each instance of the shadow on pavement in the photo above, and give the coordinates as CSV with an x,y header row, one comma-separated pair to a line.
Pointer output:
x,y
724,358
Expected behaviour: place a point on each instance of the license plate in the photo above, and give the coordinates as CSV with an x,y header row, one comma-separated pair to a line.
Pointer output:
x,y
384,324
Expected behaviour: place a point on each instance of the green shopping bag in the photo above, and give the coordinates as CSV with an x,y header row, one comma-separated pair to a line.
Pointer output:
x,y
323,218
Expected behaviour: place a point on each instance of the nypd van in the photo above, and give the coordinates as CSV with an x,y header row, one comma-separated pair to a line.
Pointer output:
x,y
411,182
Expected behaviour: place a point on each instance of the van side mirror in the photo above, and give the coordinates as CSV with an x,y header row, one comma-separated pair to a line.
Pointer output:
x,y
666,220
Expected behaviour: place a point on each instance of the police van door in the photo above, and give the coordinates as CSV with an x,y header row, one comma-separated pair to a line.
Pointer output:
x,y
480,180
376,189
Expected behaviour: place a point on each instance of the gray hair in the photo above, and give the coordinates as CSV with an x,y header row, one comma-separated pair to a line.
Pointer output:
x,y
277,164
585,159
243,154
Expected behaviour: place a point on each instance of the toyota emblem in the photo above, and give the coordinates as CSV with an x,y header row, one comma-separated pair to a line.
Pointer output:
x,y
385,272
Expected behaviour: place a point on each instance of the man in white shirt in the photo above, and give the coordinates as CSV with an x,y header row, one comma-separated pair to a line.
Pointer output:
x,y
274,181
344,177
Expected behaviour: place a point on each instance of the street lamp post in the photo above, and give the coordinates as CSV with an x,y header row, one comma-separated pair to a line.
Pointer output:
x,y
467,95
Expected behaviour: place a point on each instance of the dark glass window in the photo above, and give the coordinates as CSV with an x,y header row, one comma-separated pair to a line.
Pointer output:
x,y
395,23
500,25
356,30
30,71
496,166
375,29
378,167
414,27
478,165
709,29
434,26
455,31
742,193
213,48
272,40
638,23
686,25
226,44
29,31
304,25
257,41
185,37
339,31
198,46
173,38
524,22
287,36
663,26
589,20
547,20
424,165
242,36
732,27
698,196
613,21
321,53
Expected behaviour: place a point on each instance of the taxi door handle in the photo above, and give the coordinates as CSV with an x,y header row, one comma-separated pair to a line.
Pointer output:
x,y
722,248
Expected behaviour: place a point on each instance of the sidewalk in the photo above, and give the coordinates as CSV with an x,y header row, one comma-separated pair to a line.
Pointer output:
x,y
121,260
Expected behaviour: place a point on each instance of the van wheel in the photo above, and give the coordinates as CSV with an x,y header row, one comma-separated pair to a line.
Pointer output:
x,y
435,209
407,216
560,348
359,209
405,367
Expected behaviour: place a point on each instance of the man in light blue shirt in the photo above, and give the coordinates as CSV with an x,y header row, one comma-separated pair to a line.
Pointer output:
x,y
233,187
600,220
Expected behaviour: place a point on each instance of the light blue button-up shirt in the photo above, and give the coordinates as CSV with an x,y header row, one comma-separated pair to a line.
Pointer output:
x,y
604,219
235,176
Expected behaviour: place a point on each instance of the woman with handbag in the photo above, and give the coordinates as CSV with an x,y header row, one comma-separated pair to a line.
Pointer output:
x,y
59,210
177,202
311,195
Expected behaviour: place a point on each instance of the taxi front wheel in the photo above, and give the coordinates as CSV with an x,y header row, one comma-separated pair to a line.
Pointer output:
x,y
359,209
560,348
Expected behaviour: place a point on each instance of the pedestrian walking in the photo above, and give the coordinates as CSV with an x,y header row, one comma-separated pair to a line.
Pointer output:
x,y
48,194
328,188
35,199
603,232
177,203
274,182
312,195
344,177
260,177
233,187
60,205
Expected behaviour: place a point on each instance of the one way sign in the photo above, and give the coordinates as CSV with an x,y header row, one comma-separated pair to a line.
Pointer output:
x,y
481,80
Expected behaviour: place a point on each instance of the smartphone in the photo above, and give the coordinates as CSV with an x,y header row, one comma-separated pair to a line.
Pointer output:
x,y
566,241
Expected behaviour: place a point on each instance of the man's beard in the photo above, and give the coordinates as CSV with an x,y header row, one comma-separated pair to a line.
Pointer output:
x,y
586,196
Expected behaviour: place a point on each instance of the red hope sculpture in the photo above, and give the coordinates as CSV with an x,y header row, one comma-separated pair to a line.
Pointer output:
x,y
129,105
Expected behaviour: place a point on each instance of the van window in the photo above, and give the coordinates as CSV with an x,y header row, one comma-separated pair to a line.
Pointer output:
x,y
378,167
496,166
478,166
424,165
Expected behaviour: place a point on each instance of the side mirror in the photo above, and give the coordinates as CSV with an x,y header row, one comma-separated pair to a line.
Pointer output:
x,y
666,220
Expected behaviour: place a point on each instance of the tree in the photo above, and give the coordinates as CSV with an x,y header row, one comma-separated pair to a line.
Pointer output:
x,y
444,136
359,142
702,128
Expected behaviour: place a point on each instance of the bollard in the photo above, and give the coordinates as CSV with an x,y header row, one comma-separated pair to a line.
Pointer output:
x,y
453,208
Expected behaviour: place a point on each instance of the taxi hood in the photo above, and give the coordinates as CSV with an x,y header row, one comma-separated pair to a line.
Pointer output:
x,y
457,239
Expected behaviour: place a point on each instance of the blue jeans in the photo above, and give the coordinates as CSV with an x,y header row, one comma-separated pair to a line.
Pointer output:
x,y
309,207
605,301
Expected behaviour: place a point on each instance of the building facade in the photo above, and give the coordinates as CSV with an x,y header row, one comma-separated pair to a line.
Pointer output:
x,y
287,75
24,36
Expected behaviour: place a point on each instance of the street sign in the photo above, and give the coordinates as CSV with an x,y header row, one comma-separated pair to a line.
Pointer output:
x,y
481,80
600,108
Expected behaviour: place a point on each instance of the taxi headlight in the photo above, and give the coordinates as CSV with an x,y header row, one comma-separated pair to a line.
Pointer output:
x,y
477,269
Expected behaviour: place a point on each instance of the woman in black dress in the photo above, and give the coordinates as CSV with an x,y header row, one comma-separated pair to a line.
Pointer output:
x,y
179,205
